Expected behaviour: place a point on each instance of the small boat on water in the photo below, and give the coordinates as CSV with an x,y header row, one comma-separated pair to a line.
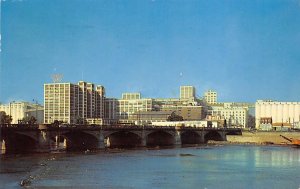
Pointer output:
x,y
294,142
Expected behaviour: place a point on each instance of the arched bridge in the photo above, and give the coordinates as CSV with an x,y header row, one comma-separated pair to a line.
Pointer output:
x,y
44,138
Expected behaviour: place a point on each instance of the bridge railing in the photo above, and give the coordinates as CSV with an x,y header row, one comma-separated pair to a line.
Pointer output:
x,y
104,127
94,126
31,126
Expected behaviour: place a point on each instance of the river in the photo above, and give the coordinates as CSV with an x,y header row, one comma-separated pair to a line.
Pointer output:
x,y
206,167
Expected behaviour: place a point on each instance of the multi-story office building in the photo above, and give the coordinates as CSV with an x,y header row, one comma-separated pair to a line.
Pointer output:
x,y
69,102
131,96
111,112
132,103
234,113
277,113
21,110
147,117
211,97
188,113
100,102
132,108
187,92
61,102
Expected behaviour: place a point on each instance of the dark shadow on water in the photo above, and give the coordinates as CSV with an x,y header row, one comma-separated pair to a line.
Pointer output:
x,y
186,155
121,149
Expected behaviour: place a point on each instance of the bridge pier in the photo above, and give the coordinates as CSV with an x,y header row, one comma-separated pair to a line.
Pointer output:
x,y
202,138
43,144
177,138
2,146
223,135
143,139
101,144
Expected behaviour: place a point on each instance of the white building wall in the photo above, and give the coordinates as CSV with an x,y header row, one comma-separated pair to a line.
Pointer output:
x,y
127,108
20,110
274,109
286,112
211,96
185,123
296,112
235,115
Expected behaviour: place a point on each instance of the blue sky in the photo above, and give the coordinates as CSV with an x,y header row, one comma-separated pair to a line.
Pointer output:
x,y
244,49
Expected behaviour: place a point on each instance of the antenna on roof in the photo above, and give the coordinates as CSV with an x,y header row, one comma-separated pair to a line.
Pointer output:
x,y
57,78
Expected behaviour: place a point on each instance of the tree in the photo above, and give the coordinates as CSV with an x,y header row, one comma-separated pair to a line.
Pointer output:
x,y
5,119
56,123
80,120
175,117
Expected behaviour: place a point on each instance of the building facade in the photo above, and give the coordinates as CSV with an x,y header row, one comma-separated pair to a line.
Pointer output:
x,y
236,115
132,108
211,97
277,113
188,113
187,92
132,103
111,112
69,102
20,110
147,117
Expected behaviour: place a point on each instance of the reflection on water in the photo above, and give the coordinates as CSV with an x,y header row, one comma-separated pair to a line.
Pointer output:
x,y
276,158
193,167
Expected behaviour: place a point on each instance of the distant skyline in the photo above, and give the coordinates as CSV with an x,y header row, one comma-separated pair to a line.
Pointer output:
x,y
245,50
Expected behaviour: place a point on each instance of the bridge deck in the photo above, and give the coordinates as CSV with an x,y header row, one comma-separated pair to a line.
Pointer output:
x,y
109,127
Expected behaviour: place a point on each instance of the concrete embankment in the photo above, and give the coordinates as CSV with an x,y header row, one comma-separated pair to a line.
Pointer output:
x,y
261,137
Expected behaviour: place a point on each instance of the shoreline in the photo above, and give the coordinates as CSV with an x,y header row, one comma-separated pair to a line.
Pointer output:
x,y
262,138
247,143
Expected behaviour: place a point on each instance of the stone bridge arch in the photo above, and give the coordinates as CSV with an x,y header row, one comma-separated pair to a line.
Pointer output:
x,y
160,138
20,142
213,135
191,137
123,138
75,140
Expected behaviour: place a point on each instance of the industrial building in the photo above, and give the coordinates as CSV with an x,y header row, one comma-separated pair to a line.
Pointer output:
x,y
277,113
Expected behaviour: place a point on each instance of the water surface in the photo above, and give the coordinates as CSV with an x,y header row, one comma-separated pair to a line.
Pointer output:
x,y
192,167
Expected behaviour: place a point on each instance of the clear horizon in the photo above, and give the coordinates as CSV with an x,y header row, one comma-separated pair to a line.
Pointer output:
x,y
244,50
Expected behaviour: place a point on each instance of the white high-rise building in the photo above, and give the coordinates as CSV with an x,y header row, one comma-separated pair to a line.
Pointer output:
x,y
187,92
277,112
211,97
69,102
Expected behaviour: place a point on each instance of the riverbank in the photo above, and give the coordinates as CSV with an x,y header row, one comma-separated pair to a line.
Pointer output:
x,y
262,138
